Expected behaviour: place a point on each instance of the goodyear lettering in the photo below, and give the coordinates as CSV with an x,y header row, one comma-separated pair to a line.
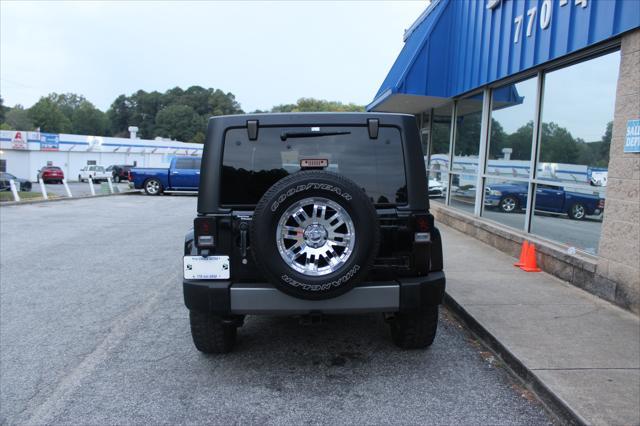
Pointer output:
x,y
312,185
321,287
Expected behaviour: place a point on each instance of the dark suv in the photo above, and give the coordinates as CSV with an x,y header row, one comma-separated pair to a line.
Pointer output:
x,y
311,214
120,173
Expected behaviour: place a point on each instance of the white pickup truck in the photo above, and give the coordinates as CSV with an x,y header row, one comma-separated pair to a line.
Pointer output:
x,y
94,172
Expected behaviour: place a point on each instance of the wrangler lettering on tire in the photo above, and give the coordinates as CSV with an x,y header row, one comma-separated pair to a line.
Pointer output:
x,y
314,234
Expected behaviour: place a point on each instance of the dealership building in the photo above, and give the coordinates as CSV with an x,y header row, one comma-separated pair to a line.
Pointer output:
x,y
530,117
23,153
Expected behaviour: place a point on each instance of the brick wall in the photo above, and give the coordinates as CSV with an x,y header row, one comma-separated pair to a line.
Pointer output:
x,y
619,250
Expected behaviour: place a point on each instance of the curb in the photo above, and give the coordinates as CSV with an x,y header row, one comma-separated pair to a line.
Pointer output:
x,y
554,404
53,200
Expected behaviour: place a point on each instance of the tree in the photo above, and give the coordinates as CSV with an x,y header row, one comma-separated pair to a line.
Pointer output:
x,y
557,145
119,116
498,140
17,118
89,120
520,141
67,103
179,122
317,105
46,115
141,109
2,110
468,134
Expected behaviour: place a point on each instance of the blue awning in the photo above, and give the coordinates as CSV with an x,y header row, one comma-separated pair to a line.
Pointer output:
x,y
403,90
456,47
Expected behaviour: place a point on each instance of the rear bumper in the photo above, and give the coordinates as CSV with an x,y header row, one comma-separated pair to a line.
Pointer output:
x,y
400,295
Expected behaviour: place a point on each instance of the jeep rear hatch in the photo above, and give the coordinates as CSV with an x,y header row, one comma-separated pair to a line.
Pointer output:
x,y
251,167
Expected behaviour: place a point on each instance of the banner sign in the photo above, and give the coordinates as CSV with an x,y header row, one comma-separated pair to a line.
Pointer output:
x,y
18,142
49,142
632,141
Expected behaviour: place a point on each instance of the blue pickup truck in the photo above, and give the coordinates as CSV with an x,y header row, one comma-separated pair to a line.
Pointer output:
x,y
183,174
549,198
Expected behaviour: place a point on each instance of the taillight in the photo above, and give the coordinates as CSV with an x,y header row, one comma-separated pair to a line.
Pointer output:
x,y
204,230
601,203
130,176
422,225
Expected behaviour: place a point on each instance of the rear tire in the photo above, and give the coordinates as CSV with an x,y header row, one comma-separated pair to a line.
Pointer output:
x,y
210,334
152,186
577,211
415,330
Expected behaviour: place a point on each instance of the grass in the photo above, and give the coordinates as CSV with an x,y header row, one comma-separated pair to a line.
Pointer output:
x,y
8,196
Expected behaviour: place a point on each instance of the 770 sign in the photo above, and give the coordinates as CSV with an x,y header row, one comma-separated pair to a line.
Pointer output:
x,y
544,17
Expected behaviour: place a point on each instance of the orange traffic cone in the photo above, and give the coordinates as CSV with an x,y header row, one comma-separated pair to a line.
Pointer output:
x,y
523,253
530,264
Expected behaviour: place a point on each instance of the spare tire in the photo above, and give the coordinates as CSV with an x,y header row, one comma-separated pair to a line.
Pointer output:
x,y
314,234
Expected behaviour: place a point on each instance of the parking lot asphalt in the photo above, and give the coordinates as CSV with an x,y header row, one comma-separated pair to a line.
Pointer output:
x,y
93,330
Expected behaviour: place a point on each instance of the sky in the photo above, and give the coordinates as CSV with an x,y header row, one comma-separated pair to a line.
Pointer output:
x,y
265,53
580,98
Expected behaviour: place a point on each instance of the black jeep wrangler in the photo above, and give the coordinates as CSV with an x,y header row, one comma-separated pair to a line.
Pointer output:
x,y
310,214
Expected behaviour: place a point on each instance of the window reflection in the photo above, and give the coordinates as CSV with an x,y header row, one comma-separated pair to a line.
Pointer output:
x,y
505,202
575,136
468,128
439,164
466,149
438,183
577,117
570,215
463,191
513,112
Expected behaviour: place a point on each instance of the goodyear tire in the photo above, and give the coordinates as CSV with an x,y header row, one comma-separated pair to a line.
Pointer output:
x,y
314,234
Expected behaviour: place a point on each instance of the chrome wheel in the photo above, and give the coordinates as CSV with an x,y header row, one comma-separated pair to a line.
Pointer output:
x,y
508,205
315,236
578,211
152,187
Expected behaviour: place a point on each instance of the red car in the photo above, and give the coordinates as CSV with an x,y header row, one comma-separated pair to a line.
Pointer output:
x,y
51,174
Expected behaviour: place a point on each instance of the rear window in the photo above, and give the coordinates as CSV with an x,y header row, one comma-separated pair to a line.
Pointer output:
x,y
250,168
188,163
53,168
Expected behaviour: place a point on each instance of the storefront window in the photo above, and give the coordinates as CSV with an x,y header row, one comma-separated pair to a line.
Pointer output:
x,y
509,153
512,116
465,152
577,116
439,163
505,201
575,135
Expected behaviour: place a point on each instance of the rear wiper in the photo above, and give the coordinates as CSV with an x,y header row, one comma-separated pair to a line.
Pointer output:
x,y
285,135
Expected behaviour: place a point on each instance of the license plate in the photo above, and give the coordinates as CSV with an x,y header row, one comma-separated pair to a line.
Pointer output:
x,y
206,268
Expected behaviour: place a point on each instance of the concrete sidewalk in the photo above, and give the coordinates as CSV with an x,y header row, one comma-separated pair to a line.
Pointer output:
x,y
578,352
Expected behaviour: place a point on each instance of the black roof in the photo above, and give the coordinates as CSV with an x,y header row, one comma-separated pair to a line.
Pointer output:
x,y
315,118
